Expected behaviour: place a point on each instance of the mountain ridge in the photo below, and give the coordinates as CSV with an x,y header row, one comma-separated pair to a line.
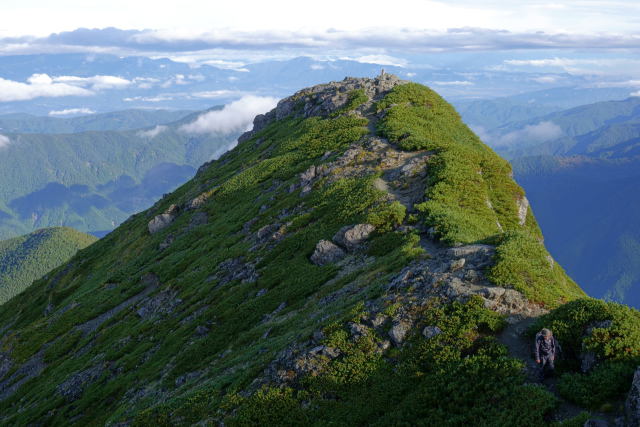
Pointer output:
x,y
351,260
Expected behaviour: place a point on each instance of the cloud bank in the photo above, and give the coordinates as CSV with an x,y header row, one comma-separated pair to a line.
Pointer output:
x,y
234,117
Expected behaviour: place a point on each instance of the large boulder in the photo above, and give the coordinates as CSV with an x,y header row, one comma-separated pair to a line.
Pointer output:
x,y
327,252
352,236
632,405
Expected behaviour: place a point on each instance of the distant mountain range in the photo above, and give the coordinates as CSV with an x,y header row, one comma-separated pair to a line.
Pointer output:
x,y
27,258
93,180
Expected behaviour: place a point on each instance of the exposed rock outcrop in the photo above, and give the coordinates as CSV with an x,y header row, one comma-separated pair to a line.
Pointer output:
x,y
162,221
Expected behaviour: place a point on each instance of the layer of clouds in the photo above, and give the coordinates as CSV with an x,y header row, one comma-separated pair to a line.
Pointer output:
x,y
530,134
113,40
71,111
4,141
38,85
234,117
152,133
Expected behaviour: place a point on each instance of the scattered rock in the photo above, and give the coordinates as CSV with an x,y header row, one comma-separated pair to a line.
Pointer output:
x,y
261,292
632,404
431,331
351,237
5,364
163,220
327,252
358,330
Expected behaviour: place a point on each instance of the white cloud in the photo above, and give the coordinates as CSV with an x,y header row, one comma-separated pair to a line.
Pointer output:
x,y
70,111
541,132
4,141
95,82
212,94
381,60
38,85
316,67
158,98
234,117
152,133
453,83
635,93
545,79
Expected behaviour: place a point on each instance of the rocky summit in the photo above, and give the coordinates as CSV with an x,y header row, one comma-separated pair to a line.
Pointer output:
x,y
361,257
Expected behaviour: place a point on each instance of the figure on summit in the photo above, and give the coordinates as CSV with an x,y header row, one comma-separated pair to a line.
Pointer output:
x,y
546,351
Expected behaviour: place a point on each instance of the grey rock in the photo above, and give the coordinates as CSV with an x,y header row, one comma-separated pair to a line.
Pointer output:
x,y
358,329
183,379
596,423
632,404
261,292
71,389
351,237
163,303
326,252
5,364
457,264
197,202
379,320
199,218
202,330
399,331
471,252
523,208
431,331
235,269
163,220
166,242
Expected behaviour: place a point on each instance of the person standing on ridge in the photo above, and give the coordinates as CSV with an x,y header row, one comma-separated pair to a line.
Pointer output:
x,y
546,350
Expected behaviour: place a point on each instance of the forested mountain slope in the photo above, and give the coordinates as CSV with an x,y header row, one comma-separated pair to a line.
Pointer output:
x,y
27,258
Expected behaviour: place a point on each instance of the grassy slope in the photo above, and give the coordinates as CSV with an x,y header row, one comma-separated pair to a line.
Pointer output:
x,y
145,360
27,258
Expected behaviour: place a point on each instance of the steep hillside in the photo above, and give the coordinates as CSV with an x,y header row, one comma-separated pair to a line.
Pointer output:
x,y
27,258
350,262
94,180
